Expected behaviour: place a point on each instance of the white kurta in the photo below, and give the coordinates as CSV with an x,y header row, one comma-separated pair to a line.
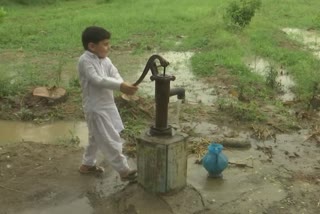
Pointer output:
x,y
98,79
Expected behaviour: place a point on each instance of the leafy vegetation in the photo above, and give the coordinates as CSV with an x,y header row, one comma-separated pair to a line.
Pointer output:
x,y
3,13
271,79
71,139
242,111
40,41
240,13
316,22
29,2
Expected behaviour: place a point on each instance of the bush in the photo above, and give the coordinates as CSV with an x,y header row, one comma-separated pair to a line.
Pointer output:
x,y
240,12
104,1
316,22
271,78
3,13
30,2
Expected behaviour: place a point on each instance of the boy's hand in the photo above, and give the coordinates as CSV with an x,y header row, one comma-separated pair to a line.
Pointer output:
x,y
128,88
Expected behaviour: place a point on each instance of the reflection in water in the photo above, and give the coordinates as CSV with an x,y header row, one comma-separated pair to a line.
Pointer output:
x,y
14,131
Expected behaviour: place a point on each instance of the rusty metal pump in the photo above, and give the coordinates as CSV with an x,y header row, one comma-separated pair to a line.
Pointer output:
x,y
162,94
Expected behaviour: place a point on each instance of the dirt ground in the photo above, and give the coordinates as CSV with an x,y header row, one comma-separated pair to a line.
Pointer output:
x,y
282,176
274,164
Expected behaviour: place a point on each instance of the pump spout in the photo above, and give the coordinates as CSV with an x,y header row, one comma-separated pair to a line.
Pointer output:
x,y
180,92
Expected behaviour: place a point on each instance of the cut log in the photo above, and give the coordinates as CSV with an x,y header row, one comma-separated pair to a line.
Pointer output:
x,y
54,93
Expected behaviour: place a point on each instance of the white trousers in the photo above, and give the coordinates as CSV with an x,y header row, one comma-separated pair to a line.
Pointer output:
x,y
103,136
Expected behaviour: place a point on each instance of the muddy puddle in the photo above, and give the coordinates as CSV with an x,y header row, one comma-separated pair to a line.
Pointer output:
x,y
61,131
267,184
309,39
262,183
79,206
285,82
57,132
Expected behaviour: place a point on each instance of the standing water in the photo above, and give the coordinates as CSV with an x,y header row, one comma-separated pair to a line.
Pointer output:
x,y
174,113
15,131
309,38
262,67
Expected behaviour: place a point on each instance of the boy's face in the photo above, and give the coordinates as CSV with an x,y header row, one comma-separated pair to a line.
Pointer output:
x,y
100,49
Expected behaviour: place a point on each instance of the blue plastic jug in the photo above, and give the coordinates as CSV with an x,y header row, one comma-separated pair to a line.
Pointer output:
x,y
215,161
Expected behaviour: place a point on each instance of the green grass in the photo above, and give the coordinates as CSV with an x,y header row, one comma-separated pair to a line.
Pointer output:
x,y
44,38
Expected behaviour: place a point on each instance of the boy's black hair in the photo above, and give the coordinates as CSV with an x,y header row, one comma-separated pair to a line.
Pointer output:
x,y
94,34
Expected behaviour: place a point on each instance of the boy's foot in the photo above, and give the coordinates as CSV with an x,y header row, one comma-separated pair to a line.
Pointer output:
x,y
84,169
130,176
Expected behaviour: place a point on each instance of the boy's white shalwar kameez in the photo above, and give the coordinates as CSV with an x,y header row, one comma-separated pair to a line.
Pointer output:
x,y
98,79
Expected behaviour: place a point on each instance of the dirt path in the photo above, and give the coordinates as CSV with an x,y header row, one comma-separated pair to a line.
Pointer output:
x,y
282,176
34,174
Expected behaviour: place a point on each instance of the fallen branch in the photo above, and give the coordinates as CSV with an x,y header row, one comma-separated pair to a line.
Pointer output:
x,y
146,112
276,127
4,153
314,136
243,165
14,190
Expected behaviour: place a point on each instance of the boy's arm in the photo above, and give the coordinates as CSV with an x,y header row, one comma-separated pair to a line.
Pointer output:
x,y
115,73
88,71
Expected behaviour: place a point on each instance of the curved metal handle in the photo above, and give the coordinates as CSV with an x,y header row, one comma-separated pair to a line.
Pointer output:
x,y
151,65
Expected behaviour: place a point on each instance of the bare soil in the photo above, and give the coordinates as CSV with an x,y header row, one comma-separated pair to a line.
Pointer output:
x,y
43,178
35,176
31,172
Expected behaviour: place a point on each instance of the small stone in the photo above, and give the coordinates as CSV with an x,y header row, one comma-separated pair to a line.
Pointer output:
x,y
9,166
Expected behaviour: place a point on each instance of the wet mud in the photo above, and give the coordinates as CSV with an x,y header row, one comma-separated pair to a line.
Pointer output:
x,y
56,132
276,172
280,175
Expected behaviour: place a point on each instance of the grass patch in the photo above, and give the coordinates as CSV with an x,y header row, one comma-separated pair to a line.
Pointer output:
x,y
246,112
40,42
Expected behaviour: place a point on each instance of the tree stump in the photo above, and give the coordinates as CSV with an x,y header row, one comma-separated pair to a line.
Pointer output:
x,y
52,95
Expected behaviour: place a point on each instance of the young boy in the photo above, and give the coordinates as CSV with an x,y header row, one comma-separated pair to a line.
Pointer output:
x,y
98,78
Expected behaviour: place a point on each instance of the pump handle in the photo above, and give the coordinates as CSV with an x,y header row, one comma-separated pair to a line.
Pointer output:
x,y
151,65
